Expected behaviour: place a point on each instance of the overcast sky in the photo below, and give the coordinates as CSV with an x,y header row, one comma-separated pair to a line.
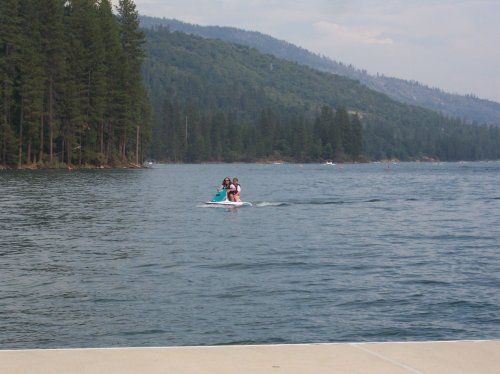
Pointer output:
x,y
450,44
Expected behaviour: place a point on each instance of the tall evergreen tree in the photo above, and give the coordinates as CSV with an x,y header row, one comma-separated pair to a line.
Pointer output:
x,y
325,132
32,83
55,53
265,131
357,138
131,38
87,59
113,56
11,38
340,132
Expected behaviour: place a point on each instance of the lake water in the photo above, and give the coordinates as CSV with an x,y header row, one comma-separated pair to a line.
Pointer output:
x,y
354,253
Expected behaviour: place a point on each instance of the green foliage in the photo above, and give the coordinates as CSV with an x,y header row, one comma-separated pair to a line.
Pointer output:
x,y
71,87
240,105
410,92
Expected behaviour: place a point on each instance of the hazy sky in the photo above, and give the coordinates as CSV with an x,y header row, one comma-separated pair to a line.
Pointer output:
x,y
450,44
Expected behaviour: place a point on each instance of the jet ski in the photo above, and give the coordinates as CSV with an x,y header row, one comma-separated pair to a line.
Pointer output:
x,y
220,199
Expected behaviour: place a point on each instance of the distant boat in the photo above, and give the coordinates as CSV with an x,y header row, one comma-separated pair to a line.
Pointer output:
x,y
328,163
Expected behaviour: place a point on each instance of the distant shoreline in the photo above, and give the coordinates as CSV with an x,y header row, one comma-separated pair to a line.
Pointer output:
x,y
72,167
266,162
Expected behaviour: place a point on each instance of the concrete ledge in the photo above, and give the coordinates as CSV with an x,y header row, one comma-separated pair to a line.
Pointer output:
x,y
457,357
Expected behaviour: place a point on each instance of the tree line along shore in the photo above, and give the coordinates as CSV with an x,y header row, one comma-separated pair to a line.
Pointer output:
x,y
71,85
83,86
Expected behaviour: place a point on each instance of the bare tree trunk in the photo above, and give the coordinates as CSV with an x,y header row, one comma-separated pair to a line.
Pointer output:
x,y
137,146
63,149
28,155
101,136
123,141
80,150
68,151
20,153
40,157
51,123
108,143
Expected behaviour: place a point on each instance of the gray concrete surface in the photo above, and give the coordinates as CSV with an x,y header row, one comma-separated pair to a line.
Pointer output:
x,y
457,357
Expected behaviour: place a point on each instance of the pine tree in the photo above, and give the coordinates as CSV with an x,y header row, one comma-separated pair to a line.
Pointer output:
x,y
54,47
217,125
357,138
265,132
325,132
32,83
10,45
73,93
131,39
340,132
87,67
113,56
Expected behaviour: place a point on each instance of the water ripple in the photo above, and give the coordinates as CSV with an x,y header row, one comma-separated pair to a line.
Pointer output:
x,y
125,258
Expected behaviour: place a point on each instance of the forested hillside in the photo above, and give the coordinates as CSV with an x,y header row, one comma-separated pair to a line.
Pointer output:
x,y
217,101
468,107
70,83
75,80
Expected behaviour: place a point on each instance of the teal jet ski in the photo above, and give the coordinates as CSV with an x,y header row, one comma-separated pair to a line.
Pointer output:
x,y
220,199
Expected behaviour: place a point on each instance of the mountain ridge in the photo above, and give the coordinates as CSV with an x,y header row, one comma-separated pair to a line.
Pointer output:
x,y
467,107
244,105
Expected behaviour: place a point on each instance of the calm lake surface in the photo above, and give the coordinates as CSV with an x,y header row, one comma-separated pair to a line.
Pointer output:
x,y
370,252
